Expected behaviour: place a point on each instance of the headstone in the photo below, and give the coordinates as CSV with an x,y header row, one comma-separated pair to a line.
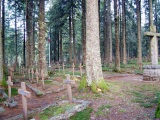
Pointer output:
x,y
63,68
42,75
9,87
69,83
25,94
80,67
73,68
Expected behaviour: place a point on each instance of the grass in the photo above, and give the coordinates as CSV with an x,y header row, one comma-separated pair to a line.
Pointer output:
x,y
83,115
14,91
54,111
103,110
2,99
48,82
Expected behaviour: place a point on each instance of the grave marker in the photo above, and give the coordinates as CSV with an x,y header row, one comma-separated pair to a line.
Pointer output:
x,y
73,68
9,87
63,68
80,67
25,94
69,82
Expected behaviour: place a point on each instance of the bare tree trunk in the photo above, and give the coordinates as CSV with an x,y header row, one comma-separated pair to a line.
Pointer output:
x,y
139,34
42,41
3,30
70,37
74,37
117,61
107,33
16,41
24,41
61,54
124,31
30,41
93,59
1,51
84,31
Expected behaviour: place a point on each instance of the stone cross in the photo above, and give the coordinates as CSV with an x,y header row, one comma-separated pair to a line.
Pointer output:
x,y
154,44
32,71
69,82
9,87
73,68
37,75
63,68
29,74
25,94
80,67
42,75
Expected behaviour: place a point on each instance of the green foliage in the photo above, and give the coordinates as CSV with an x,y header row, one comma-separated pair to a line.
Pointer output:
x,y
5,71
4,83
102,85
94,87
83,83
157,113
14,91
2,99
83,115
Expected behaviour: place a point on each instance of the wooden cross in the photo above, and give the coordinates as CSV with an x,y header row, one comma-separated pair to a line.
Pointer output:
x,y
37,75
59,67
32,71
9,87
29,74
11,70
73,68
80,67
42,75
25,94
63,68
154,44
69,82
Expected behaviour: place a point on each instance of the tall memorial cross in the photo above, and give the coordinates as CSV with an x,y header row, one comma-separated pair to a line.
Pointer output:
x,y
9,87
80,67
69,83
73,68
25,94
154,44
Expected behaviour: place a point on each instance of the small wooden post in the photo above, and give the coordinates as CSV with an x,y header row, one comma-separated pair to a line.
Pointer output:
x,y
63,68
32,71
25,94
80,67
9,87
42,75
69,82
73,68
29,74
37,75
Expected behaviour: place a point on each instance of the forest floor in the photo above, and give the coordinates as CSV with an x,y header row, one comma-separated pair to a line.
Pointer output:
x,y
129,98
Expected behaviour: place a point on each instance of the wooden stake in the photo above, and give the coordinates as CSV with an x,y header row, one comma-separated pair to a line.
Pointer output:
x,y
9,87
73,68
25,94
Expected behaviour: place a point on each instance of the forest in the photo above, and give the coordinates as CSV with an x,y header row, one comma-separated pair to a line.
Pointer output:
x,y
107,48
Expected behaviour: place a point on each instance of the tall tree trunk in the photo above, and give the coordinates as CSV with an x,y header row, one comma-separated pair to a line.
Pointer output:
x,y
61,54
93,59
84,31
24,41
3,30
29,26
138,2
74,36
124,32
42,41
116,17
70,37
107,33
1,51
16,40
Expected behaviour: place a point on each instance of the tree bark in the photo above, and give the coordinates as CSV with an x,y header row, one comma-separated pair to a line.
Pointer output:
x,y
93,59
139,34
16,40
107,33
61,54
3,30
70,37
42,41
74,36
84,31
124,32
1,51
116,17
30,41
